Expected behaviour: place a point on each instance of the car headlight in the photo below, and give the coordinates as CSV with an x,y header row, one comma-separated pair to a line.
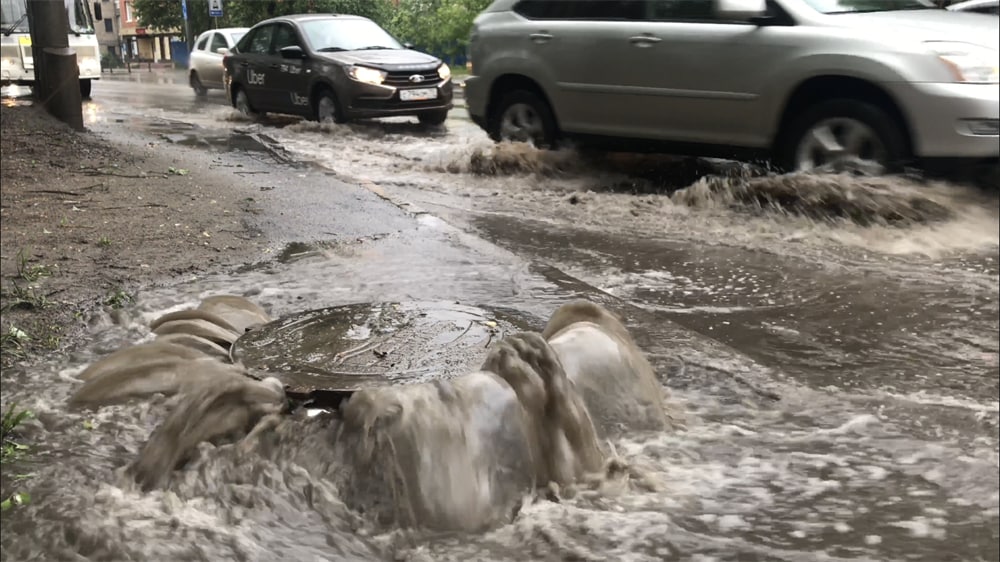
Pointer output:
x,y
367,74
969,63
444,72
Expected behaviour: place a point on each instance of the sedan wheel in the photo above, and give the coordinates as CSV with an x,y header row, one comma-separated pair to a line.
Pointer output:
x,y
199,89
327,110
243,105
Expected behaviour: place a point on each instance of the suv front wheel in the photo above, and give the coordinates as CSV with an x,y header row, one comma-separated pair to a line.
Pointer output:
x,y
841,131
523,116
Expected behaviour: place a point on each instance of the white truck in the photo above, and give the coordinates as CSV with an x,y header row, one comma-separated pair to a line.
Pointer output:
x,y
16,63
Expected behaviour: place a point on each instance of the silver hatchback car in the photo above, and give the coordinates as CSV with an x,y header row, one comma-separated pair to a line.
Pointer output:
x,y
205,66
804,82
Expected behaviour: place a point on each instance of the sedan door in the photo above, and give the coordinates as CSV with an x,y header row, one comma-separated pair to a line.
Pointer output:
x,y
199,55
250,66
211,75
287,82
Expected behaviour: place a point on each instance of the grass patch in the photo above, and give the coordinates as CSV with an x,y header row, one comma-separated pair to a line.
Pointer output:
x,y
118,298
14,342
12,450
9,422
28,271
22,298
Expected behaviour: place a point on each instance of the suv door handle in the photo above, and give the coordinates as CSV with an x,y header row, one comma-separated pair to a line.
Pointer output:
x,y
644,40
540,37
275,66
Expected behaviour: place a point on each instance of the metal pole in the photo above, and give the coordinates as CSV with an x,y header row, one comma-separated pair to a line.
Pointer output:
x,y
187,26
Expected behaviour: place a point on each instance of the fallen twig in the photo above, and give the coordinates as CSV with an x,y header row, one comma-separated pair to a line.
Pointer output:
x,y
55,192
134,207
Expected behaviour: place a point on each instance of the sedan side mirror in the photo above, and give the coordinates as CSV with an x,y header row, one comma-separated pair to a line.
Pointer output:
x,y
292,52
222,50
740,10
408,45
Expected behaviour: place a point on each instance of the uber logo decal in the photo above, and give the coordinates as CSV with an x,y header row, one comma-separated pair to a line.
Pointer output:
x,y
299,100
254,78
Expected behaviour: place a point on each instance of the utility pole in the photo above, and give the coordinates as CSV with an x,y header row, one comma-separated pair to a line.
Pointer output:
x,y
57,77
187,27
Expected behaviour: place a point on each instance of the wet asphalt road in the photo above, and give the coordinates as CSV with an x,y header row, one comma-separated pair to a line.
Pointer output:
x,y
883,355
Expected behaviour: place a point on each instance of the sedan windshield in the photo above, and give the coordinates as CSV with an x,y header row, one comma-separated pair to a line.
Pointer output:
x,y
336,34
858,6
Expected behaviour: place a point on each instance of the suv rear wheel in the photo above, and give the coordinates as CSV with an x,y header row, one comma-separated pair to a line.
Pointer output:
x,y
840,131
523,116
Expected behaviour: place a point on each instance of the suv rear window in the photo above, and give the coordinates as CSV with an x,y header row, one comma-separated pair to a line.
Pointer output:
x,y
581,9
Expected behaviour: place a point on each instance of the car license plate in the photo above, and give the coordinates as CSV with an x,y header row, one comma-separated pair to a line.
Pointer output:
x,y
417,94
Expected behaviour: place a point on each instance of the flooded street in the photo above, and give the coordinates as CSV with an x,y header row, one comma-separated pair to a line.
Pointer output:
x,y
830,346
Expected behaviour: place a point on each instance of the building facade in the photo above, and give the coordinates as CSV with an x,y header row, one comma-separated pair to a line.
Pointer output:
x,y
139,43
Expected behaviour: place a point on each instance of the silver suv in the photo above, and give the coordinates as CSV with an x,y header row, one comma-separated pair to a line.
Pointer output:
x,y
804,82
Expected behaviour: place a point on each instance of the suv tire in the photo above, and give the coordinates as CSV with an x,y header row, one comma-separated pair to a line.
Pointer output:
x,y
526,111
887,137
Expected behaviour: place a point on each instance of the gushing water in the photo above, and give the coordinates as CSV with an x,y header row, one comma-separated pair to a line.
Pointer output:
x,y
866,449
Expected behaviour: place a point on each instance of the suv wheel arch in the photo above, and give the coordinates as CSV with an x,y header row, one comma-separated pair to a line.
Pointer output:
x,y
820,89
507,84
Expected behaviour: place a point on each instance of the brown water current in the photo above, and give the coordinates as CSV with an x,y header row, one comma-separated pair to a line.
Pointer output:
x,y
828,345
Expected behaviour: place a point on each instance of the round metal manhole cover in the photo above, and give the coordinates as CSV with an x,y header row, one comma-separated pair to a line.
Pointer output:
x,y
338,350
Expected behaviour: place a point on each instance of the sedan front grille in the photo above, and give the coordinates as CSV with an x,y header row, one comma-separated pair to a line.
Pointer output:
x,y
402,79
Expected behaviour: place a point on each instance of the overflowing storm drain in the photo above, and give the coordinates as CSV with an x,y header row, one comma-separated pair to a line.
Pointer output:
x,y
323,355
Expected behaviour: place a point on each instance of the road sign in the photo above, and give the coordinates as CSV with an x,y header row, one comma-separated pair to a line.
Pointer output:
x,y
215,8
184,9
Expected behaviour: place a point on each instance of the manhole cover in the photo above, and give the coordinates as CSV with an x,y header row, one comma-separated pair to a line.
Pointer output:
x,y
328,353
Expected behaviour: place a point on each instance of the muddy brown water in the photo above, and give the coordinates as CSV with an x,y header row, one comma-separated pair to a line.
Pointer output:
x,y
850,411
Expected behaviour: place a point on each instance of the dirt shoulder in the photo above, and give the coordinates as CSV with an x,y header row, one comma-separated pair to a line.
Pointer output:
x,y
84,222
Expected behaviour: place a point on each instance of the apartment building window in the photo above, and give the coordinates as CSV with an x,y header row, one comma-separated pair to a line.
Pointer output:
x,y
128,11
109,26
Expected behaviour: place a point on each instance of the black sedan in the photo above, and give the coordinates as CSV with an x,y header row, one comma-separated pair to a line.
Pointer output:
x,y
334,68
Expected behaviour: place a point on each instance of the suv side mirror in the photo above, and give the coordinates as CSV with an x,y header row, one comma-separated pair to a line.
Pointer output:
x,y
740,10
292,52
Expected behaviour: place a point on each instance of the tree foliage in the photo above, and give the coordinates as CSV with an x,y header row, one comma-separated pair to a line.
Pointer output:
x,y
167,14
438,26
441,27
